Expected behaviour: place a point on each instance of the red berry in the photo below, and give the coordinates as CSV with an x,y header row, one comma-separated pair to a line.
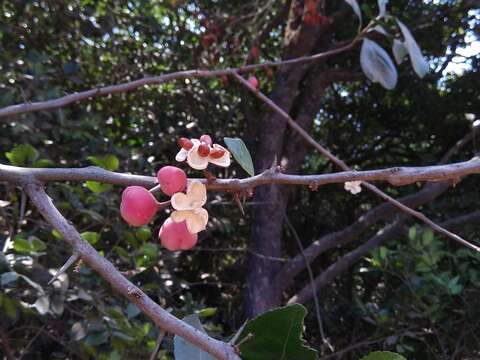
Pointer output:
x,y
206,139
185,143
175,236
217,153
254,52
203,150
138,206
252,80
172,180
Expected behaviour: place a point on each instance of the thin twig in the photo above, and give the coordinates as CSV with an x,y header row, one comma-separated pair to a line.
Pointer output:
x,y
109,273
312,282
157,80
6,345
161,335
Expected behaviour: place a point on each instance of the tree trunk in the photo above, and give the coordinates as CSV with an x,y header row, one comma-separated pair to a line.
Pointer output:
x,y
269,202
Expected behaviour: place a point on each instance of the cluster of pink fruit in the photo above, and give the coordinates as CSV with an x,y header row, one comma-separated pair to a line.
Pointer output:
x,y
179,231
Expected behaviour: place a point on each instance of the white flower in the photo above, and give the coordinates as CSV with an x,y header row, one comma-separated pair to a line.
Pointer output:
x,y
198,162
188,207
353,186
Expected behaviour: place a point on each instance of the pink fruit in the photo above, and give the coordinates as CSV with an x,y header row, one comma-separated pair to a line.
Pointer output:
x,y
206,139
175,236
172,180
138,206
252,80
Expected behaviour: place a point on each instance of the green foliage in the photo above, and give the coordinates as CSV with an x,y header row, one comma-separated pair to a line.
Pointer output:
x,y
240,152
402,292
22,155
276,334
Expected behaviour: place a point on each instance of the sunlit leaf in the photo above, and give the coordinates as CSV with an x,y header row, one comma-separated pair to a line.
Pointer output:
x,y
419,63
377,65
356,10
382,8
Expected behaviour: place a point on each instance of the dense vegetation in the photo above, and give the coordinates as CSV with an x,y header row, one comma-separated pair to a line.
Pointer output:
x,y
416,294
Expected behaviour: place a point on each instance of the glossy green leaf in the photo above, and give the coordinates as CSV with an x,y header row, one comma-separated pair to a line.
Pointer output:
x,y
240,152
276,334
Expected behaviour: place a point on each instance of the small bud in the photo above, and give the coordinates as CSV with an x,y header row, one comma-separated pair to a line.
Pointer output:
x,y
206,139
203,150
252,80
185,143
217,153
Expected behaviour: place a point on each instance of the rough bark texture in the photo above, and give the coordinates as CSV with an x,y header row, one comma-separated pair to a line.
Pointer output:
x,y
263,291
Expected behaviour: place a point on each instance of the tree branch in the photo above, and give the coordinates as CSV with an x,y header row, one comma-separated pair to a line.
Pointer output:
x,y
397,176
310,140
381,212
109,273
63,101
347,260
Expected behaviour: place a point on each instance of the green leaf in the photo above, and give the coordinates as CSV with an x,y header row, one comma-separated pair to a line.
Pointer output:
x,y
96,338
91,236
412,233
377,65
8,277
383,355
97,187
36,244
56,234
144,233
427,237
132,311
42,163
276,334
183,350
207,312
22,155
21,245
108,162
240,152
